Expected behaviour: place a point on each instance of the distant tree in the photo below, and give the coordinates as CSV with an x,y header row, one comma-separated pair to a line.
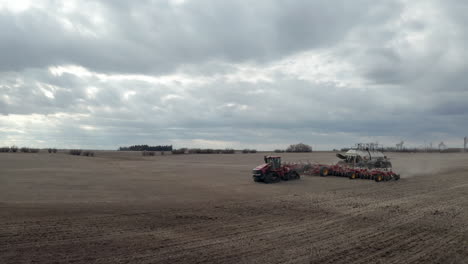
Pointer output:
x,y
5,149
229,151
52,150
24,149
88,153
301,147
179,151
34,150
76,152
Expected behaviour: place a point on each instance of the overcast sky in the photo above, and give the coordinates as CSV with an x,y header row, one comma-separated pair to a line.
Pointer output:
x,y
244,74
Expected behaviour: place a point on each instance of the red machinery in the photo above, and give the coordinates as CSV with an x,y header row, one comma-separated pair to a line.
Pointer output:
x,y
377,174
273,171
363,162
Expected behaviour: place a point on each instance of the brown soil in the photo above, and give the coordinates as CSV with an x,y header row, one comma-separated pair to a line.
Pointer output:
x,y
120,207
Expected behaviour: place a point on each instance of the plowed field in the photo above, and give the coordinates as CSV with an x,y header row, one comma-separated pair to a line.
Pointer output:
x,y
120,207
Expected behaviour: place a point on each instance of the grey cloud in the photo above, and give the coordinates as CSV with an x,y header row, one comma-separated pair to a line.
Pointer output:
x,y
148,36
402,93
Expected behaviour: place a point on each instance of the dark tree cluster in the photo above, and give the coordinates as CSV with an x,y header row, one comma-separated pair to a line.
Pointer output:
x,y
179,151
146,148
301,147
16,149
5,149
29,150
78,152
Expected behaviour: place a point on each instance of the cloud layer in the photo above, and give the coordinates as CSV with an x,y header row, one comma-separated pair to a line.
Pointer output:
x,y
263,74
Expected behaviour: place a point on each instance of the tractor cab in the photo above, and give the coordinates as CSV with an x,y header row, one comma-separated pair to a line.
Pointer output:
x,y
274,161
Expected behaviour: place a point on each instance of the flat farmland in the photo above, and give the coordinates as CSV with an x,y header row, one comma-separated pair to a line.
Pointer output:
x,y
121,207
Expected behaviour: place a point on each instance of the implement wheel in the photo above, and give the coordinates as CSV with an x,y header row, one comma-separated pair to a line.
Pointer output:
x,y
324,171
378,178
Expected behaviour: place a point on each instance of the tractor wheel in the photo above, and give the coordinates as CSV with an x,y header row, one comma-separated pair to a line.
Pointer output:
x,y
352,175
378,178
272,178
257,179
396,177
324,171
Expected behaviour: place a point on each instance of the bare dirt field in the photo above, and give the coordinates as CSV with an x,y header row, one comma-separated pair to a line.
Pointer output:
x,y
120,207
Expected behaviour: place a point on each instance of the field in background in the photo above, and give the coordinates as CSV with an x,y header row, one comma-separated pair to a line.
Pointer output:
x,y
123,207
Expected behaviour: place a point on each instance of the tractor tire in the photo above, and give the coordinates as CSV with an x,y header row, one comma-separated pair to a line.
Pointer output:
x,y
396,177
257,179
378,178
352,175
272,178
324,171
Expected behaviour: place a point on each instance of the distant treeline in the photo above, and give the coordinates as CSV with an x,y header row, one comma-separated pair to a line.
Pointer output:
x,y
146,148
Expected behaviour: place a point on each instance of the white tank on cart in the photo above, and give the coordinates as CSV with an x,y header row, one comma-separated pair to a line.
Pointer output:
x,y
363,156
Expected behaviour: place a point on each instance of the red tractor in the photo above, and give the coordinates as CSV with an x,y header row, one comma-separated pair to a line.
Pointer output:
x,y
273,171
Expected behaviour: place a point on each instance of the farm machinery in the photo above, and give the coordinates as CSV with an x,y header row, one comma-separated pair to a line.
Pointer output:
x,y
273,171
362,162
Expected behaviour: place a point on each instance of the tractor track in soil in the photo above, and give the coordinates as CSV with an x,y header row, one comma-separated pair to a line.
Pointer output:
x,y
420,219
